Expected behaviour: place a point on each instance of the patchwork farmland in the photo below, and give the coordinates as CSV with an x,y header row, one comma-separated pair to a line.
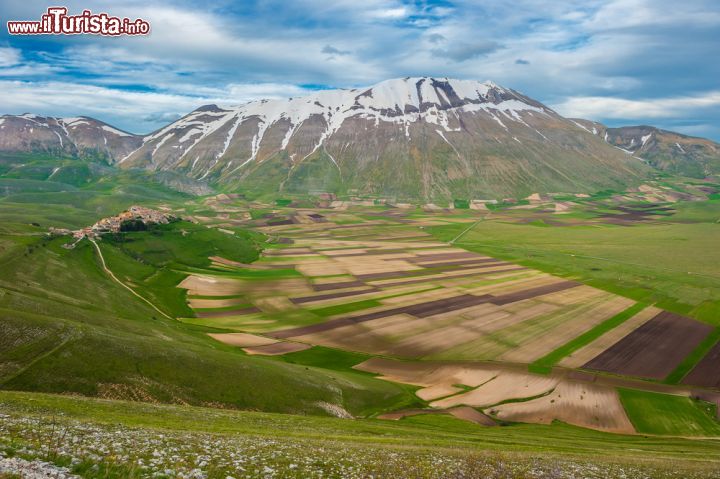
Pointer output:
x,y
483,339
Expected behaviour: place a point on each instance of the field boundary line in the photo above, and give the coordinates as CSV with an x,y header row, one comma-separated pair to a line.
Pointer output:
x,y
465,231
112,275
544,364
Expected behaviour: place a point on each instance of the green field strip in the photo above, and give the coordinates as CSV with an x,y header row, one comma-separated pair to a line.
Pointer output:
x,y
693,358
224,308
518,400
245,273
346,308
545,364
407,293
489,282
666,414
494,344
233,324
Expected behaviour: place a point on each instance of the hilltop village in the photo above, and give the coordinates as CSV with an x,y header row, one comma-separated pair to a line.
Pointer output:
x,y
114,224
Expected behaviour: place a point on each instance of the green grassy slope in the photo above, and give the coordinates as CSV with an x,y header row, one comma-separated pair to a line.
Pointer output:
x,y
154,262
67,327
78,191
427,168
333,441
655,413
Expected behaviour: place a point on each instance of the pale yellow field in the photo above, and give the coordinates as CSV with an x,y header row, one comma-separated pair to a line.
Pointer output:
x,y
470,414
276,349
429,374
561,333
437,391
215,303
507,385
198,285
218,260
515,286
242,339
581,404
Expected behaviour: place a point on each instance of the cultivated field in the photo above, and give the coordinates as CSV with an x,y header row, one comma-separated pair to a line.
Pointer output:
x,y
462,326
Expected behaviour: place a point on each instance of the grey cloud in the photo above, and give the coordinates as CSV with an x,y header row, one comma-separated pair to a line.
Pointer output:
x,y
331,50
478,40
461,52
161,117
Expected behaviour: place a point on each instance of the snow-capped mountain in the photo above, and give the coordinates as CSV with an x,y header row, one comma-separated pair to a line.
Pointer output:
x,y
203,137
424,138
412,137
665,150
80,136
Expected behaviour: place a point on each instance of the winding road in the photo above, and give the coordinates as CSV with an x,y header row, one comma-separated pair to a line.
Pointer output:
x,y
115,278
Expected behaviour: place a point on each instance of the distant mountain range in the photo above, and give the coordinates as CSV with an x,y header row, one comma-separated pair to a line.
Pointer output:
x,y
81,136
665,150
411,138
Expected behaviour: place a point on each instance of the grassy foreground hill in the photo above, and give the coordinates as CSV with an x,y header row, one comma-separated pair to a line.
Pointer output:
x,y
67,327
112,439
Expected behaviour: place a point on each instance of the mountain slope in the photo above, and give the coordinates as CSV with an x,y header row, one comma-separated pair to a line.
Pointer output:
x,y
415,138
666,150
80,136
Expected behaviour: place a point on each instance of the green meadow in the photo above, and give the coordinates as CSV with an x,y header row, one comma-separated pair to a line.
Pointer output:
x,y
76,345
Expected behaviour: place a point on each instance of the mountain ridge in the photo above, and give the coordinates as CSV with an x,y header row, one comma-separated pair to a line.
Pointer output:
x,y
414,138
74,136
663,149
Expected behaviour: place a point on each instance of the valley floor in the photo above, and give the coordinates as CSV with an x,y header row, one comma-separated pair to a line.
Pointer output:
x,y
485,340
518,341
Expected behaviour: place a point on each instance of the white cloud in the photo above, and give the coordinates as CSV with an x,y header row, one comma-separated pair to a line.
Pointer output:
x,y
9,56
393,13
621,108
245,92
576,53
216,48
126,109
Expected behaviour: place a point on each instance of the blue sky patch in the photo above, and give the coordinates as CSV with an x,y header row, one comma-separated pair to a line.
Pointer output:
x,y
617,61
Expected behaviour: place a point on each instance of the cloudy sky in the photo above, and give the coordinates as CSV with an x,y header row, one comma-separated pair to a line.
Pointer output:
x,y
617,61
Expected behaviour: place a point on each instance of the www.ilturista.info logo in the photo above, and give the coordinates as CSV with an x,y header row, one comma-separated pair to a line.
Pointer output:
x,y
57,22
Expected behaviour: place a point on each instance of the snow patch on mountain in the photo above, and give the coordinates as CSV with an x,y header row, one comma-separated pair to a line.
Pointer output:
x,y
402,101
115,131
581,126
